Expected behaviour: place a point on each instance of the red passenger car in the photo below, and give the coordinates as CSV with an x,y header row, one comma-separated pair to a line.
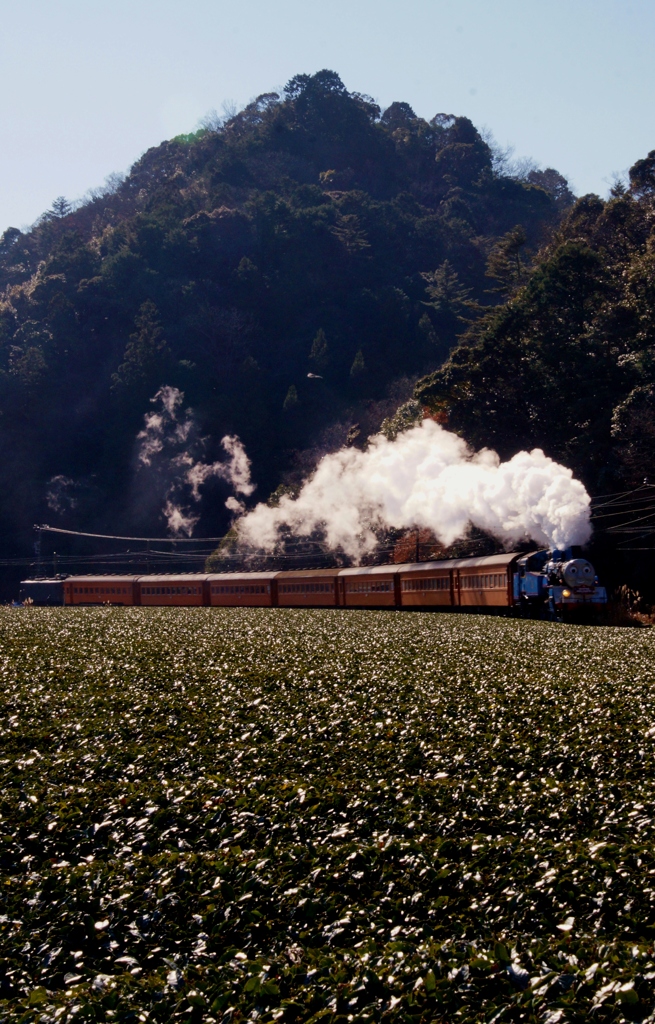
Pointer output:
x,y
307,588
243,589
101,590
428,584
485,582
373,586
187,589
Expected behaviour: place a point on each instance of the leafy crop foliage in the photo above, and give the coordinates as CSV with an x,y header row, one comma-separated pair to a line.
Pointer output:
x,y
303,815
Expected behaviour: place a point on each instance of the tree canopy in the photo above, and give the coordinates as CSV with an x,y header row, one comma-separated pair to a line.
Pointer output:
x,y
568,363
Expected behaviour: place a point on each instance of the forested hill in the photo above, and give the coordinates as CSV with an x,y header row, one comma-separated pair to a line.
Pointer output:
x,y
311,233
568,363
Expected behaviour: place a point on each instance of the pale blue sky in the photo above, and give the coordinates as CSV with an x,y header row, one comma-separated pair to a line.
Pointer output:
x,y
88,85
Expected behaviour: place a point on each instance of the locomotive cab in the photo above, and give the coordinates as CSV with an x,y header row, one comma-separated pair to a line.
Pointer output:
x,y
530,584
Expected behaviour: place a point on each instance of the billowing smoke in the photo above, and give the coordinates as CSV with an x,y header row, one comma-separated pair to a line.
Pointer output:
x,y
427,477
64,494
60,495
169,448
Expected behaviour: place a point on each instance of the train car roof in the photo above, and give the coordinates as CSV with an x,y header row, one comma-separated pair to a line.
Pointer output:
x,y
244,575
173,577
503,559
450,563
487,560
100,576
287,574
43,579
371,570
446,563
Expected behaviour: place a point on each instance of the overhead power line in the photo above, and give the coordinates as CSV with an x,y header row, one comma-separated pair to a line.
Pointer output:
x,y
617,495
145,540
624,512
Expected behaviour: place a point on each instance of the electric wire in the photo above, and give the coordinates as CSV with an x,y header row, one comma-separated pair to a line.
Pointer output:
x,y
604,507
622,512
110,536
621,494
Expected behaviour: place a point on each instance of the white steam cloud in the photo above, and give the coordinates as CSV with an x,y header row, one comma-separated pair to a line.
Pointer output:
x,y
169,446
427,477
59,496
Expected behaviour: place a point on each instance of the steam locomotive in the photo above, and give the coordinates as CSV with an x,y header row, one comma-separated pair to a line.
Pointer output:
x,y
557,584
541,584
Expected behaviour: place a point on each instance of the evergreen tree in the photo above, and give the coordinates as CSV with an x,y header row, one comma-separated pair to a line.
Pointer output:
x,y
61,207
448,296
318,356
358,367
291,401
146,353
506,263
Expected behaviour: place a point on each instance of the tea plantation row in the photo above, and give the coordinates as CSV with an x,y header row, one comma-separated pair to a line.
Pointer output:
x,y
209,815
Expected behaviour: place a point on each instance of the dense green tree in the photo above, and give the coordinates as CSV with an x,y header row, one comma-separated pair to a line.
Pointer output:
x,y
507,264
568,363
448,297
146,354
319,354
358,368
633,433
8,240
555,184
642,176
291,401
61,207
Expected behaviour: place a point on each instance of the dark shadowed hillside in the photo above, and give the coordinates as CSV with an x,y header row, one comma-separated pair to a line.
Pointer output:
x,y
292,270
568,364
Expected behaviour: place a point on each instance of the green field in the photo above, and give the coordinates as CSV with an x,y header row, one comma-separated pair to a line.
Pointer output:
x,y
213,814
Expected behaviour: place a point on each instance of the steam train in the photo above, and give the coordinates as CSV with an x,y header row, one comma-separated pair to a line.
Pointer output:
x,y
540,584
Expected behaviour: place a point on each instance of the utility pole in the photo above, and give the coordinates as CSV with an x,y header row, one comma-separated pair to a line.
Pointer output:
x,y
37,549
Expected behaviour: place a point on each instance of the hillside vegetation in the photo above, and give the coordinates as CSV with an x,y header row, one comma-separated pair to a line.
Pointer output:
x,y
309,233
568,363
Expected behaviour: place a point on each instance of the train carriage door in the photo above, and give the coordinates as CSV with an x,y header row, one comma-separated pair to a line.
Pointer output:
x,y
397,599
457,583
274,594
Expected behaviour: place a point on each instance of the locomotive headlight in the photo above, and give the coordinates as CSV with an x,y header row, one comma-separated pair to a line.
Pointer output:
x,y
566,593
